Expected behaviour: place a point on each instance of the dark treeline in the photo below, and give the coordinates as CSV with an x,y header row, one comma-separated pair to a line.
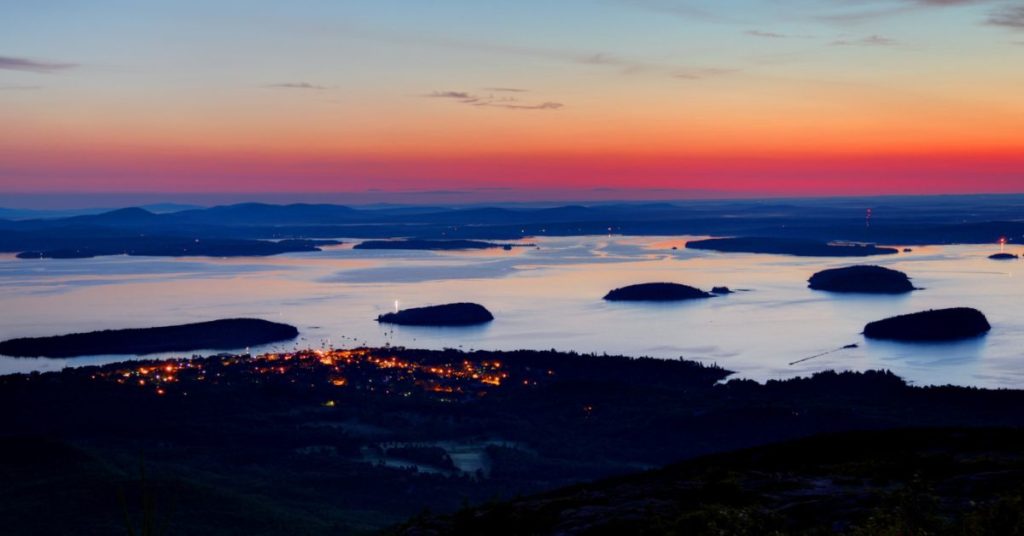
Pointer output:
x,y
283,448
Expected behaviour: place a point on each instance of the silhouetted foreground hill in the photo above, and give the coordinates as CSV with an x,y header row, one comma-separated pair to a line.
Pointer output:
x,y
213,335
334,442
929,481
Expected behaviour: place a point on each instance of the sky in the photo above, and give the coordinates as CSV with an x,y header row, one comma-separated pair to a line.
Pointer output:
x,y
502,99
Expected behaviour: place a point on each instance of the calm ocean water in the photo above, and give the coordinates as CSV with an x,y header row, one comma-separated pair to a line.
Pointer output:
x,y
548,297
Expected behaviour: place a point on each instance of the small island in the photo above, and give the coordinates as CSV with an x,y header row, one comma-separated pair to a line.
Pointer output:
x,y
435,245
451,314
722,290
224,334
932,325
1003,256
789,246
657,292
863,279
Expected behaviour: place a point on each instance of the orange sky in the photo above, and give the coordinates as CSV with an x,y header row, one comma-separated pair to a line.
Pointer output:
x,y
805,96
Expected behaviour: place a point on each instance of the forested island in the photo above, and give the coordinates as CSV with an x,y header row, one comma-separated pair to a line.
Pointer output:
x,y
450,314
862,279
660,292
932,325
224,334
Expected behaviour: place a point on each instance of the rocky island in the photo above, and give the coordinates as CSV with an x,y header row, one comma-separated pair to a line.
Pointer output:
x,y
451,314
435,245
1003,256
224,334
932,325
789,246
657,292
864,278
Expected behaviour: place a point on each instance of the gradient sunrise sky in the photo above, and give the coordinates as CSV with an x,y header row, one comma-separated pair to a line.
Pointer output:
x,y
743,97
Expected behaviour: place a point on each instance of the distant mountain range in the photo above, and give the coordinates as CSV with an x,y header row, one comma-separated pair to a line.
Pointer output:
x,y
925,220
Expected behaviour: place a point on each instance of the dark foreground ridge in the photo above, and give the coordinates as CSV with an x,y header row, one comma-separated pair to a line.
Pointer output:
x,y
658,292
451,314
866,279
927,481
933,325
787,246
434,245
214,335
343,441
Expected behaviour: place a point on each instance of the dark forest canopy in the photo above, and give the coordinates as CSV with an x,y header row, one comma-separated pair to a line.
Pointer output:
x,y
291,443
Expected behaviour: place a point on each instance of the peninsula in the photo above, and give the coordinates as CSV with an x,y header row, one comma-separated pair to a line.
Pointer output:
x,y
224,334
788,246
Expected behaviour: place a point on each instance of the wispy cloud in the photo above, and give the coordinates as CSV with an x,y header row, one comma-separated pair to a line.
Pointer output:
x,y
871,40
1008,16
541,106
460,95
876,10
946,3
35,66
701,73
295,85
767,35
506,89
508,103
679,8
627,65
19,88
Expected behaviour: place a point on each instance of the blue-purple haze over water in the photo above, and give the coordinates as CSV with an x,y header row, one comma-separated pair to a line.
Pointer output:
x,y
543,298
